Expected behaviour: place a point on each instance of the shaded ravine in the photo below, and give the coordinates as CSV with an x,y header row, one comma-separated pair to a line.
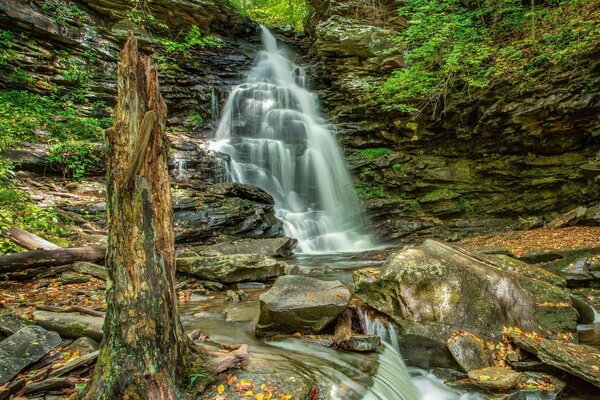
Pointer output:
x,y
275,138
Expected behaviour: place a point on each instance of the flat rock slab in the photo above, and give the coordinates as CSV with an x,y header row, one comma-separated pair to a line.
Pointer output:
x,y
300,304
73,325
468,351
230,268
494,378
24,348
576,359
11,323
270,247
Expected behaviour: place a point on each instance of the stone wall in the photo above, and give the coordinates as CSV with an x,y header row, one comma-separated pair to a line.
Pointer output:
x,y
512,152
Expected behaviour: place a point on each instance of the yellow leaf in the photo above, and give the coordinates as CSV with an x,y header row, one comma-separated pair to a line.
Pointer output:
x,y
263,386
249,394
259,396
221,389
483,378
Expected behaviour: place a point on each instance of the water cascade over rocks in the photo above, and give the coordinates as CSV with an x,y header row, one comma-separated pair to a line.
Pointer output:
x,y
272,131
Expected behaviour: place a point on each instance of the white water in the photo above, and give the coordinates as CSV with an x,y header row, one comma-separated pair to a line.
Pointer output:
x,y
272,130
394,380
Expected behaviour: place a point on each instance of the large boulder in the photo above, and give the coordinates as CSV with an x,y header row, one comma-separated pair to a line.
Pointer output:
x,y
230,268
433,290
300,304
22,349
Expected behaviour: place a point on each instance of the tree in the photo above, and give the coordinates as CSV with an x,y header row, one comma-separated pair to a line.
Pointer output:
x,y
145,353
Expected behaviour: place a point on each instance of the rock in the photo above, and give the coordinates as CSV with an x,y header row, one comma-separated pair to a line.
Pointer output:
x,y
568,219
362,343
512,264
273,247
300,304
25,347
88,268
532,382
11,323
242,295
73,325
230,268
577,273
84,345
587,314
579,360
232,297
432,290
68,278
251,286
468,351
591,216
494,378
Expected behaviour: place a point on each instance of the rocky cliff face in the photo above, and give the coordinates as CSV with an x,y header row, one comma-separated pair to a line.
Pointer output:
x,y
512,152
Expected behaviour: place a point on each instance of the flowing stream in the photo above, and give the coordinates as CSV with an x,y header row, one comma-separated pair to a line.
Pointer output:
x,y
276,139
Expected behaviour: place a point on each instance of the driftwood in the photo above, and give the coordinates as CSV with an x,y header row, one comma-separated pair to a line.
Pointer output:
x,y
78,309
50,258
29,240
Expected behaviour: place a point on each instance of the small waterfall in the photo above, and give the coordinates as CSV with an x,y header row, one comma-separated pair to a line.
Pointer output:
x,y
276,139
393,373
214,105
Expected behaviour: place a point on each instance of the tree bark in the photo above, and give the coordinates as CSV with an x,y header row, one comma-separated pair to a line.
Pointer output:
x,y
50,258
145,353
28,240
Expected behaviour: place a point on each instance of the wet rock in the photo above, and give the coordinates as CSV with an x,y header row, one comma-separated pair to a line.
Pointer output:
x,y
300,304
468,351
84,345
587,314
242,295
274,247
72,325
538,386
251,286
25,347
494,378
362,343
432,290
578,274
69,278
230,268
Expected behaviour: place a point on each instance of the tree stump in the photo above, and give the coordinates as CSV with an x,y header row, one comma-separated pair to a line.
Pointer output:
x,y
145,353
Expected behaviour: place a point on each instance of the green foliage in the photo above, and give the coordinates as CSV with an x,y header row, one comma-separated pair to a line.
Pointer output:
x,y
196,118
17,210
465,205
275,12
140,13
466,45
64,11
192,40
74,157
21,77
368,191
439,194
375,153
22,113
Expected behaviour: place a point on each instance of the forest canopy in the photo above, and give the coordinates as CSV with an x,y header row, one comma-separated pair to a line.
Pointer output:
x,y
274,12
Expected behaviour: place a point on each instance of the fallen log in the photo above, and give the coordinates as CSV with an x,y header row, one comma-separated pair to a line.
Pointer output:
x,y
50,258
29,240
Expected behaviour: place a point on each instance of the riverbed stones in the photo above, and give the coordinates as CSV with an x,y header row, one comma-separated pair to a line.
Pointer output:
x,y
25,347
230,268
300,304
70,324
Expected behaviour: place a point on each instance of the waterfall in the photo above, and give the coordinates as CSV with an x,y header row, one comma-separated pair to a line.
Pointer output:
x,y
276,139
393,373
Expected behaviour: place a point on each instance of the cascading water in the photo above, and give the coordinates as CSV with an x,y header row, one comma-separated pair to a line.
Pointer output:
x,y
273,133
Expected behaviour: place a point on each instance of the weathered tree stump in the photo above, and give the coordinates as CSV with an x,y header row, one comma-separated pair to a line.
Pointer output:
x,y
145,353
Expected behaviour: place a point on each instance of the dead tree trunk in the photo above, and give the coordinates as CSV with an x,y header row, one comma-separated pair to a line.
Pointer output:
x,y
29,240
50,258
145,353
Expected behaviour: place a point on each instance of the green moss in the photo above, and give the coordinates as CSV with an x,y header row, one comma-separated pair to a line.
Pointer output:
x,y
375,153
76,329
439,194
